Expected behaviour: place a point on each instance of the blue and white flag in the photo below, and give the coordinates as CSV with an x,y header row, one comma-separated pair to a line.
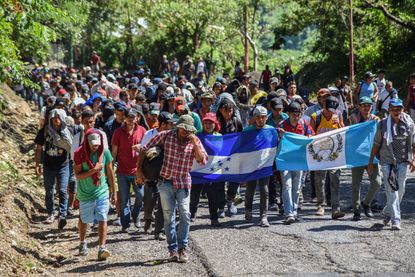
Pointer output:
x,y
342,148
237,157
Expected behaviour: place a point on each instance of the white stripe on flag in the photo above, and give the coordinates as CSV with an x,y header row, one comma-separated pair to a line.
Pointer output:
x,y
327,150
238,163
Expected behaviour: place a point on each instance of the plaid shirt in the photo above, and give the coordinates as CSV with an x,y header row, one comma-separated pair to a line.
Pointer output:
x,y
178,158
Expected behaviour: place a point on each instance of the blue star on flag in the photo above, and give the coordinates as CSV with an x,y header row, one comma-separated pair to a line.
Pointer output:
x,y
227,168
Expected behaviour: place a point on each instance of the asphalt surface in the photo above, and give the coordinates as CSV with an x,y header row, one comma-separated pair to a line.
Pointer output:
x,y
315,246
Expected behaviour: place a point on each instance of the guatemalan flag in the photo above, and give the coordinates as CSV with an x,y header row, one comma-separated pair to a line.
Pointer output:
x,y
342,148
237,157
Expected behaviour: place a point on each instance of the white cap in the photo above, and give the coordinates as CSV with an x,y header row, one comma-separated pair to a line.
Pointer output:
x,y
260,110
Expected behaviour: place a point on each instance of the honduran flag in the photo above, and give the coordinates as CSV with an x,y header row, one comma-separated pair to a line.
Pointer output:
x,y
342,148
237,157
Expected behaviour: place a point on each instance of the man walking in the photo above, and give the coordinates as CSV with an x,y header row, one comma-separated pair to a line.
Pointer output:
x,y
363,115
93,167
394,142
181,147
54,143
125,142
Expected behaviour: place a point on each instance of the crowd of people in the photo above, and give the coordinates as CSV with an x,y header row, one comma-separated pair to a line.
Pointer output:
x,y
98,130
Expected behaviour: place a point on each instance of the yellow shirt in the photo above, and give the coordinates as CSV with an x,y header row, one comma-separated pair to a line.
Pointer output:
x,y
258,95
326,125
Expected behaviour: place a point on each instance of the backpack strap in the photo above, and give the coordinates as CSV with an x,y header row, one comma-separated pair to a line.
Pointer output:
x,y
318,119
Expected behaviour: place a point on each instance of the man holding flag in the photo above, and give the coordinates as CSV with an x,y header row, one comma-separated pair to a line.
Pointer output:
x,y
322,121
364,114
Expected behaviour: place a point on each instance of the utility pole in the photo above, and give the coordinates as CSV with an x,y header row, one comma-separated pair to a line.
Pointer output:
x,y
351,46
246,46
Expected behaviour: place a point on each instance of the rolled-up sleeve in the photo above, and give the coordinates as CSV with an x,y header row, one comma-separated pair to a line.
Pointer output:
x,y
204,154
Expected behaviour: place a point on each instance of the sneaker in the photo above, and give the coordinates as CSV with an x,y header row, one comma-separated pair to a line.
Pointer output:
x,y
124,229
238,200
221,213
366,209
320,211
396,226
62,223
273,206
147,226
50,219
248,215
193,217
215,223
137,223
83,249
356,216
386,220
103,253
174,257
70,212
264,222
314,200
183,257
289,220
336,214
117,222
232,210
160,236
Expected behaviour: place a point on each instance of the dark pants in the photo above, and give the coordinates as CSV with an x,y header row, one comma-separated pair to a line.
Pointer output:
x,y
264,195
151,200
275,188
215,194
232,191
61,175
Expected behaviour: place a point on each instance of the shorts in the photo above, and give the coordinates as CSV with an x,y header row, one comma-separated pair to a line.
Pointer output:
x,y
94,210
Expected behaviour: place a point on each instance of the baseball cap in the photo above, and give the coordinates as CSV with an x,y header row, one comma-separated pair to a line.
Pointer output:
x,y
294,107
132,112
207,94
165,117
332,104
260,110
94,139
154,108
365,100
395,103
276,103
281,93
323,92
274,80
369,74
180,103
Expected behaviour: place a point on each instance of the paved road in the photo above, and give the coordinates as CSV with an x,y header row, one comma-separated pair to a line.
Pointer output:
x,y
314,246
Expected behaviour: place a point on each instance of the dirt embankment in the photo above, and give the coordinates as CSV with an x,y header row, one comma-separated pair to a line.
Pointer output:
x,y
21,193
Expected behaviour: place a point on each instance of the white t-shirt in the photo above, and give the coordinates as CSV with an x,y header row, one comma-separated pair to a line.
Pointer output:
x,y
383,95
148,136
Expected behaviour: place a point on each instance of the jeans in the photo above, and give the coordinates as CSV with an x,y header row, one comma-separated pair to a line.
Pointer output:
x,y
334,178
394,198
124,184
291,187
357,176
169,196
151,200
264,195
62,177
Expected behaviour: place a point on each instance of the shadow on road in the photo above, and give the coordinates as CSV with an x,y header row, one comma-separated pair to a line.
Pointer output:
x,y
377,227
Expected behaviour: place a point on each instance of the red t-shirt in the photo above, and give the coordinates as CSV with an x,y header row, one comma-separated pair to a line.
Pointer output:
x,y
266,76
299,129
126,156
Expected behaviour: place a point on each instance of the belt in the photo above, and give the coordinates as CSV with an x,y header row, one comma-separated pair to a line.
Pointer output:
x,y
164,179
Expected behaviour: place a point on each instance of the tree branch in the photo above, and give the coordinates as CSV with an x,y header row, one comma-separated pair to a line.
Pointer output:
x,y
407,24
